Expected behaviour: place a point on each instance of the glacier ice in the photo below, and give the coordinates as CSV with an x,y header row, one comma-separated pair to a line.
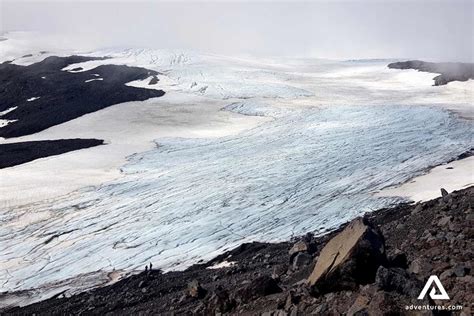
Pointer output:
x,y
340,131
309,169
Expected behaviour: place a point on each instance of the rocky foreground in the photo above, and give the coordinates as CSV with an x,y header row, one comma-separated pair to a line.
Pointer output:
x,y
447,71
376,265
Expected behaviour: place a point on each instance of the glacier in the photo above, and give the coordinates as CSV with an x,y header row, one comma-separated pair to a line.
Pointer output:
x,y
238,150
186,200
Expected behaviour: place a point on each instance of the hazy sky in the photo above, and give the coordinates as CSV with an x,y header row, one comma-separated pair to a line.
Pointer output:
x,y
440,30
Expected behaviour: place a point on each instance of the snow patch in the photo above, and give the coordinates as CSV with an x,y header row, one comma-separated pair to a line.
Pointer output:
x,y
427,186
4,123
145,84
8,110
95,79
223,264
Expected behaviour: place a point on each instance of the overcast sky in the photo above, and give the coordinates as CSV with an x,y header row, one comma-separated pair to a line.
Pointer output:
x,y
439,30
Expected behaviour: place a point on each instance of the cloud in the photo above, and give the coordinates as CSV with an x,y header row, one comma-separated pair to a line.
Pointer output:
x,y
439,30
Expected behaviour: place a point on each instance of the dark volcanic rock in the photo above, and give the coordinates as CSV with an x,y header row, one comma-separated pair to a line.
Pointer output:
x,y
220,301
153,81
301,259
63,95
448,71
398,280
258,287
397,260
461,270
466,154
13,154
444,192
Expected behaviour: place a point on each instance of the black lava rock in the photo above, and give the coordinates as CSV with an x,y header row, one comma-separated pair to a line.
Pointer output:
x,y
63,95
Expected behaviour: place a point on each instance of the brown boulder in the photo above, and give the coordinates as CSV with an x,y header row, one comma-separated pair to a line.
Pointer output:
x,y
360,306
300,246
349,259
195,290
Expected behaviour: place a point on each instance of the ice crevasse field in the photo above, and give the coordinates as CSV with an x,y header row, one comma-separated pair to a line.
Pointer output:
x,y
323,137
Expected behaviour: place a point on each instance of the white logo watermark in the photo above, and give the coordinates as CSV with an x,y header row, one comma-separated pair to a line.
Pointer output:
x,y
437,293
433,283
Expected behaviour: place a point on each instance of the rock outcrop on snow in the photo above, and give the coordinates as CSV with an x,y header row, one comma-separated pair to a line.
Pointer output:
x,y
44,95
448,71
17,153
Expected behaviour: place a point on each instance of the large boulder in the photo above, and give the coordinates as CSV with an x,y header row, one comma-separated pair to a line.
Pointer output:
x,y
349,259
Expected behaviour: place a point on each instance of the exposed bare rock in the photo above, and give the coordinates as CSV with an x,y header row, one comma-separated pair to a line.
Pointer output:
x,y
300,246
279,270
397,259
445,220
360,306
301,259
12,154
42,103
444,192
154,80
220,301
258,287
448,71
398,280
195,290
349,259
